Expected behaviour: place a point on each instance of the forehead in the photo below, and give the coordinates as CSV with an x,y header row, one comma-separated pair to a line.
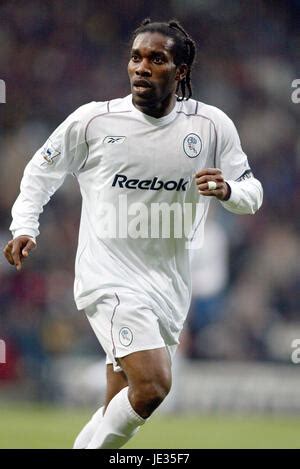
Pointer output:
x,y
153,42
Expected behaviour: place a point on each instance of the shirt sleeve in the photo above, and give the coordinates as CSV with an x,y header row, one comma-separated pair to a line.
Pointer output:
x,y
63,153
246,191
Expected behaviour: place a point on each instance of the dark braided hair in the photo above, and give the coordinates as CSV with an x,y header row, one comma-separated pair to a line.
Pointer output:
x,y
184,49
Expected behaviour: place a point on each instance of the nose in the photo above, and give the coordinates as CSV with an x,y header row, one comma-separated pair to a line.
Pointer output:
x,y
143,69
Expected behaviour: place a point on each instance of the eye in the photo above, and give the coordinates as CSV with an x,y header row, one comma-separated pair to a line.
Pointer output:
x,y
158,60
135,58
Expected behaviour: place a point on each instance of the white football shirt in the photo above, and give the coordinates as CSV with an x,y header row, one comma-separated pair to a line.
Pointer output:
x,y
128,163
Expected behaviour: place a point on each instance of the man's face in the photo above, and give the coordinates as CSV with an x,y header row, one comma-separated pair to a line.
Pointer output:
x,y
152,72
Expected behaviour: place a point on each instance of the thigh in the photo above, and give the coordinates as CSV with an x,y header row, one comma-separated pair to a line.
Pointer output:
x,y
148,366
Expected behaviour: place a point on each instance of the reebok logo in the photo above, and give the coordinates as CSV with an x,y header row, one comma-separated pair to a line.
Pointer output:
x,y
114,140
155,184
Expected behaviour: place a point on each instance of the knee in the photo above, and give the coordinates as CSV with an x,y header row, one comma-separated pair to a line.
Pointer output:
x,y
147,396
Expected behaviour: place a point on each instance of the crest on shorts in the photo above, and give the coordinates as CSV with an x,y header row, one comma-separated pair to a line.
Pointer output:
x,y
125,336
192,145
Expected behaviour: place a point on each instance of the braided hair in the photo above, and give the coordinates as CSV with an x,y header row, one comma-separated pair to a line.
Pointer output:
x,y
184,49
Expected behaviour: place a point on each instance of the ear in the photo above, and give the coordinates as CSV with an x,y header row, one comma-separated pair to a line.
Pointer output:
x,y
181,72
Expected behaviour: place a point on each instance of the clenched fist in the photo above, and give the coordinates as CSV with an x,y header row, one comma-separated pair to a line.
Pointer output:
x,y
222,191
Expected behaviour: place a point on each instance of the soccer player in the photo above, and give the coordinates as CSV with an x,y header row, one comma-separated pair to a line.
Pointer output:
x,y
155,146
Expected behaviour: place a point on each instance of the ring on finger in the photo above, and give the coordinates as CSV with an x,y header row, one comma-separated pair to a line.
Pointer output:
x,y
212,185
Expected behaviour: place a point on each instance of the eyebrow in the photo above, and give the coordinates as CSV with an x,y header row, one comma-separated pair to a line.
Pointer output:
x,y
153,52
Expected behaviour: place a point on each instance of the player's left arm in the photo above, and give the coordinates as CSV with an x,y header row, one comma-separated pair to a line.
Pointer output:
x,y
237,188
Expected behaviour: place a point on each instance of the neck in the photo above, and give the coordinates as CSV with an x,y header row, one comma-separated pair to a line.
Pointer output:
x,y
158,109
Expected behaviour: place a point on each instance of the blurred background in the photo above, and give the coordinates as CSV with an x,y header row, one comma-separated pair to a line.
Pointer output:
x,y
236,350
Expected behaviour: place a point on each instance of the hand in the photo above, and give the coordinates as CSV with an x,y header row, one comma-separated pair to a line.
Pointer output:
x,y
222,192
18,249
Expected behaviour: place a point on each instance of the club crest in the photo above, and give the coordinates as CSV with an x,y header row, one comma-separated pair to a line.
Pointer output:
x,y
192,145
125,336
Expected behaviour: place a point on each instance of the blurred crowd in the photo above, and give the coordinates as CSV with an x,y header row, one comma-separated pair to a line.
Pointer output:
x,y
57,55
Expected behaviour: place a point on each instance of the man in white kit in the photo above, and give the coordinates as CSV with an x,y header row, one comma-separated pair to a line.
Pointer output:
x,y
154,146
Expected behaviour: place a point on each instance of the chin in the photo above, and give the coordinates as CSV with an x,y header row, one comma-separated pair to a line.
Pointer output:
x,y
145,101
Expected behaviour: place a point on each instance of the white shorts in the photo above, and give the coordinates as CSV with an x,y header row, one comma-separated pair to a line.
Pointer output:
x,y
124,324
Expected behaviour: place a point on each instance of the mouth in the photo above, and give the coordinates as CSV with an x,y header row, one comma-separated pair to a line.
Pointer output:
x,y
142,86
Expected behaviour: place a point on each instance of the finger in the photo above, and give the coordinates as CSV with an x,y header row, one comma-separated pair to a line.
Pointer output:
x,y
206,178
7,248
208,171
16,251
215,193
204,187
7,254
30,245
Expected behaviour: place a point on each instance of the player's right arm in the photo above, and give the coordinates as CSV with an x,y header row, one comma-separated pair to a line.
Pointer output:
x,y
63,153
